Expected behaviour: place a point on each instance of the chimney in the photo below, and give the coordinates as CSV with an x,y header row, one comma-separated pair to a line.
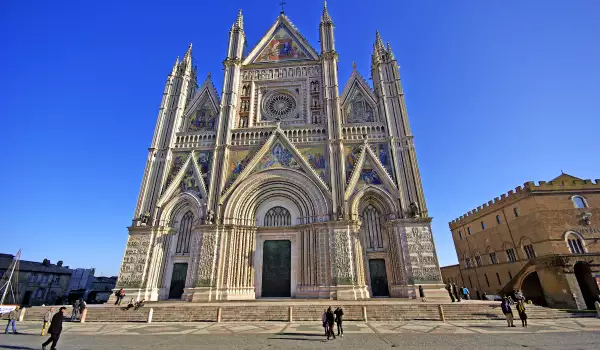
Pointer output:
x,y
59,263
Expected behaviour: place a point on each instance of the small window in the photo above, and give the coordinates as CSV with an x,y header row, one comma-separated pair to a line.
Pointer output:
x,y
510,253
486,279
56,279
509,275
478,260
469,230
575,246
529,251
483,225
493,258
460,235
31,278
516,211
470,283
579,202
498,219
498,277
45,279
468,263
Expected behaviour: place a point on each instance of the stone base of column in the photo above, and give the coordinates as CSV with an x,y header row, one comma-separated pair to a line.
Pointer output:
x,y
200,294
402,291
351,292
246,293
313,292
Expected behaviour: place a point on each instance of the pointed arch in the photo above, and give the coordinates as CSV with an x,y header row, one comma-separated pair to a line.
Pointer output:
x,y
367,155
373,195
188,179
175,208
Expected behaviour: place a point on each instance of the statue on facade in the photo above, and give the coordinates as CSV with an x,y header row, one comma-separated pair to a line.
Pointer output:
x,y
340,212
208,218
587,218
414,210
145,218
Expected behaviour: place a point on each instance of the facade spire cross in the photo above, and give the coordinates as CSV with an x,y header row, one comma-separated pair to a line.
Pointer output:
x,y
282,3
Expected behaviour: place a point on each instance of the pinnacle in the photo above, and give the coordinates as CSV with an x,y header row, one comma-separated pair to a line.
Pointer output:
x,y
378,41
188,53
239,22
325,18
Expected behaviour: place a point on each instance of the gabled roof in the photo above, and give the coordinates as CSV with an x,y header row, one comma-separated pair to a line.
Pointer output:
x,y
206,91
282,32
356,81
565,177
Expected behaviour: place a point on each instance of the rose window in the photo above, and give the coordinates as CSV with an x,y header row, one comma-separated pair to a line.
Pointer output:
x,y
279,106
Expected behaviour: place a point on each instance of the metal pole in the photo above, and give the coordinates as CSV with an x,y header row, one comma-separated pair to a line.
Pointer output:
x,y
14,263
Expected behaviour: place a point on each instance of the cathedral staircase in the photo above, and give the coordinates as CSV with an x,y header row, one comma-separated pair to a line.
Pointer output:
x,y
304,311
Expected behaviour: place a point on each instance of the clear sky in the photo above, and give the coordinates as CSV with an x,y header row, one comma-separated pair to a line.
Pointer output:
x,y
498,93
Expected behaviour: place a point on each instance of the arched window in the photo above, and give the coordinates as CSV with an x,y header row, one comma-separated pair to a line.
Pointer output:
x,y
278,216
185,232
579,202
575,243
372,227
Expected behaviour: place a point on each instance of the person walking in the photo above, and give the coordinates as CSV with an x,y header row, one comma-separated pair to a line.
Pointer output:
x,y
47,317
455,292
522,312
75,311
338,320
12,320
324,319
55,329
466,293
449,290
120,294
82,306
330,318
422,294
507,311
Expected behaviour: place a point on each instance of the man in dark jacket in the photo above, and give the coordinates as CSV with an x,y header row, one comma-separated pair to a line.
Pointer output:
x,y
330,318
338,319
55,328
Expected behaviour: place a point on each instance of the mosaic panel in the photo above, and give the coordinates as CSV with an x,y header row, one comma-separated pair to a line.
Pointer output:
x,y
204,162
278,156
317,159
237,164
352,156
176,164
282,47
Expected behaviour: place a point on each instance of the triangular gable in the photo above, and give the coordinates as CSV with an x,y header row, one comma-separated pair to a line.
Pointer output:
x,y
565,177
278,151
188,179
368,169
282,42
206,97
357,89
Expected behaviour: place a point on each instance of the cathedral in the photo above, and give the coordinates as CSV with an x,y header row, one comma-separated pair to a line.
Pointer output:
x,y
282,186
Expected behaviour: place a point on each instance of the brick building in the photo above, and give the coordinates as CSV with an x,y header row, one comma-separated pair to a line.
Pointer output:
x,y
541,239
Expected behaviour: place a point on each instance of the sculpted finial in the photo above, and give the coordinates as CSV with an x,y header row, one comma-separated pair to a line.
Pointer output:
x,y
354,66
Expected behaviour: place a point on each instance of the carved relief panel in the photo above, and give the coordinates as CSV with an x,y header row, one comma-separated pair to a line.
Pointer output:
x,y
423,259
134,261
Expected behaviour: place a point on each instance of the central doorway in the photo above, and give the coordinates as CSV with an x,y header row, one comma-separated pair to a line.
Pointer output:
x,y
178,280
379,284
277,269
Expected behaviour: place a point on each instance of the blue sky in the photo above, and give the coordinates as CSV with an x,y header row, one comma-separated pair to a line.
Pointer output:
x,y
498,93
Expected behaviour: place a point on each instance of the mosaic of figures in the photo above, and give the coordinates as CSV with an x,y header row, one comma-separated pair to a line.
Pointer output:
x,y
189,182
176,164
281,73
352,156
134,261
383,154
203,119
278,156
358,109
238,162
369,176
282,47
317,159
204,162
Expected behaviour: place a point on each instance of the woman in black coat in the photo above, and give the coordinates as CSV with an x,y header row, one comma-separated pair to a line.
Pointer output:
x,y
55,328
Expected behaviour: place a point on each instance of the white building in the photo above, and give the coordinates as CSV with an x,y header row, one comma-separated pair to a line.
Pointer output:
x,y
280,186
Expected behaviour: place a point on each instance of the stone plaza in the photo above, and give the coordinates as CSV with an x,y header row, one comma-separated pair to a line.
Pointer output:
x,y
579,333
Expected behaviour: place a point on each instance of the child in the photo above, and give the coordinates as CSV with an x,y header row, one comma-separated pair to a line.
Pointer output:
x,y
522,313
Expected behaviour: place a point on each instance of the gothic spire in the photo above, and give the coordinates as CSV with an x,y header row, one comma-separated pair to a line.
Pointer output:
x,y
390,52
188,54
325,18
239,22
378,41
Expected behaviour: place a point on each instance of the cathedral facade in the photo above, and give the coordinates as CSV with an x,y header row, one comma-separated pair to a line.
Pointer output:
x,y
280,186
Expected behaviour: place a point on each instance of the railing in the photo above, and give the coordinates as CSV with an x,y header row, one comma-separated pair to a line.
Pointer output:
x,y
358,132
183,140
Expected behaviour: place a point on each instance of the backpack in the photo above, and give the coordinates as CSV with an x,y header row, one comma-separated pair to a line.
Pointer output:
x,y
117,293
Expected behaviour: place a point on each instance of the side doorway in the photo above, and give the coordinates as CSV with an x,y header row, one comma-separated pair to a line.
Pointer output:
x,y
379,283
178,280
